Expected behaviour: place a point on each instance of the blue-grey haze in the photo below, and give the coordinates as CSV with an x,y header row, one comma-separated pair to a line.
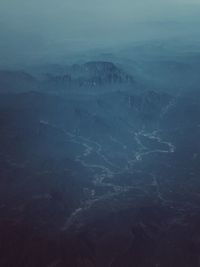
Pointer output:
x,y
37,30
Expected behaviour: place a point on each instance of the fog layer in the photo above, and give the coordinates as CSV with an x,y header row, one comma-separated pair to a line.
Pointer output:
x,y
34,30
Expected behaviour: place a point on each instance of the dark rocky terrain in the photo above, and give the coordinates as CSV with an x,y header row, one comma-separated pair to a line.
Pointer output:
x,y
96,170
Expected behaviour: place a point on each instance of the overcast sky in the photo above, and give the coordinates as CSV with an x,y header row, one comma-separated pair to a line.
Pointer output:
x,y
39,26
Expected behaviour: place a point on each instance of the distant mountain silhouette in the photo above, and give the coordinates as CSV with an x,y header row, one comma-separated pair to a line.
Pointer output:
x,y
16,81
94,73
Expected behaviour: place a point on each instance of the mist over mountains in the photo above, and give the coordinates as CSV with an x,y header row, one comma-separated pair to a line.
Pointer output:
x,y
99,159
99,133
45,32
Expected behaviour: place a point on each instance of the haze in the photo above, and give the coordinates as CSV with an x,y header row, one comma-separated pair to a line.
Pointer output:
x,y
34,30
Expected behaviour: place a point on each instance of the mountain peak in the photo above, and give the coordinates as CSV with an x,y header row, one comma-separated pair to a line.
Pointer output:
x,y
95,73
